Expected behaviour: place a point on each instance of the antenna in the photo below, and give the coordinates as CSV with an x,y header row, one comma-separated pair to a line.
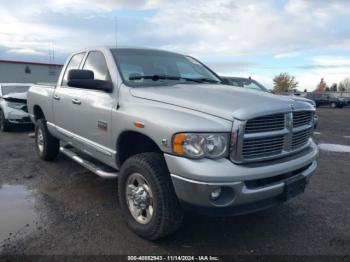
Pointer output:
x,y
53,54
49,55
116,31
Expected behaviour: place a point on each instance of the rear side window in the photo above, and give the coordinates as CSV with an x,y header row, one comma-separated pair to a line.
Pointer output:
x,y
74,63
96,62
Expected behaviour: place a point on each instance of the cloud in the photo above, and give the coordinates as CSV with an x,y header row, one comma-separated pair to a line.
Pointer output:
x,y
26,51
331,68
104,5
221,27
250,27
327,62
309,80
287,55
243,29
331,60
38,25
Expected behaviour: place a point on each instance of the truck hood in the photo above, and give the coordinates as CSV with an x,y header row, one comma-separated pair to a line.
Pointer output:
x,y
16,97
227,102
302,99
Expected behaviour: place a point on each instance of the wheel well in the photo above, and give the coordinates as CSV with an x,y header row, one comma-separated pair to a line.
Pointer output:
x,y
131,143
38,113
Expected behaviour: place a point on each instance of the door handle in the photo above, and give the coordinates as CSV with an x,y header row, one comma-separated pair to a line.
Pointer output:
x,y
56,97
76,101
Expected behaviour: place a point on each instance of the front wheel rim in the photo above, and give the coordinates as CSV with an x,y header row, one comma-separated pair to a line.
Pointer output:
x,y
40,140
139,198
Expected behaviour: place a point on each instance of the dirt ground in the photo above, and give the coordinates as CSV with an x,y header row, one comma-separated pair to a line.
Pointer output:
x,y
61,208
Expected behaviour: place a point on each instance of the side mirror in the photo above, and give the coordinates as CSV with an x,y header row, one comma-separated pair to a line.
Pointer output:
x,y
85,79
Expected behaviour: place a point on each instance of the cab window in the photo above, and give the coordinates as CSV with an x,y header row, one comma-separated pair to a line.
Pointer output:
x,y
74,63
96,62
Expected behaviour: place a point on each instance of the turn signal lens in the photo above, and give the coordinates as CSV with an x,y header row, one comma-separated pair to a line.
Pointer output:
x,y
139,124
178,142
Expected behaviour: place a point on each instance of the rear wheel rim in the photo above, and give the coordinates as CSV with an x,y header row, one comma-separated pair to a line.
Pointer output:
x,y
139,198
40,141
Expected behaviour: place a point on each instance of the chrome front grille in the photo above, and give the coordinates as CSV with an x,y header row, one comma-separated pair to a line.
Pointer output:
x,y
302,118
253,148
265,123
271,136
300,138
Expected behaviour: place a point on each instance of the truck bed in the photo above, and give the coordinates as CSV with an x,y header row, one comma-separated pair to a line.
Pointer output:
x,y
41,95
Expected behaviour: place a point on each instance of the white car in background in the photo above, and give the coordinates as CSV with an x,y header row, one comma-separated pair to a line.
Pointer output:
x,y
13,105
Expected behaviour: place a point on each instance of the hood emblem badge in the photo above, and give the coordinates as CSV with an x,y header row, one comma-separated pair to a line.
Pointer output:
x,y
291,106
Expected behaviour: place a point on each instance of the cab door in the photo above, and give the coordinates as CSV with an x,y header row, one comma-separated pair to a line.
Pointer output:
x,y
93,109
63,109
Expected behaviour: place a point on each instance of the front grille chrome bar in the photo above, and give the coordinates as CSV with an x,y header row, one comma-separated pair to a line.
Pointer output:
x,y
271,142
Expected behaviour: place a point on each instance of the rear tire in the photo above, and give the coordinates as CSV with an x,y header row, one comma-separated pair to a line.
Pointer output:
x,y
47,146
5,126
333,105
166,214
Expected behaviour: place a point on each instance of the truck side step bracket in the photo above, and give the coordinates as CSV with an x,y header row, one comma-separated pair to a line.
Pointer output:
x,y
97,168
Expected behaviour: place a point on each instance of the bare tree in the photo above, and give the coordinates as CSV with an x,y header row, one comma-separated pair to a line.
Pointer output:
x,y
341,87
346,83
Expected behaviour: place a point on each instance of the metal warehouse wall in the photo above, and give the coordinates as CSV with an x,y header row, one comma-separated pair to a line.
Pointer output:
x,y
19,72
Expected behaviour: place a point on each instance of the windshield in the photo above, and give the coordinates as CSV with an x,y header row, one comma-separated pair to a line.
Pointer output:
x,y
247,83
5,90
140,67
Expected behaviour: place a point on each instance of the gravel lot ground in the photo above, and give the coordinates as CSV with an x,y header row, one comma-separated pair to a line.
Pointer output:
x,y
60,208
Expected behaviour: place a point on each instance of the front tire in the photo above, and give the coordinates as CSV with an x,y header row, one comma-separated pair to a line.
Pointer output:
x,y
5,126
47,146
333,105
147,197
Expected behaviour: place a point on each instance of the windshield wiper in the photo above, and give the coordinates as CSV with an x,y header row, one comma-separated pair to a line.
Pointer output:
x,y
167,77
200,80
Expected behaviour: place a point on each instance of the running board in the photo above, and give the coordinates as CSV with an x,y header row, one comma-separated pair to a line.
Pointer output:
x,y
100,170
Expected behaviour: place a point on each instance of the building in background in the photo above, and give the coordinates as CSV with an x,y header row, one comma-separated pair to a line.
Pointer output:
x,y
28,72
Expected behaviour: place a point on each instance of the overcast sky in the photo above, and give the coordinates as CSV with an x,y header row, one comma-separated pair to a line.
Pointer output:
x,y
308,39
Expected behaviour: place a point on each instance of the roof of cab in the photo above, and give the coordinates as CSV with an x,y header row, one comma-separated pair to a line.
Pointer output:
x,y
107,48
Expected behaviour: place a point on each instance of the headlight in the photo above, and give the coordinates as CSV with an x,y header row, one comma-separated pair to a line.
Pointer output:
x,y
196,145
15,105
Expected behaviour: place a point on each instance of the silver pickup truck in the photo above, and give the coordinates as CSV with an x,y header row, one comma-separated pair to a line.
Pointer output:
x,y
174,135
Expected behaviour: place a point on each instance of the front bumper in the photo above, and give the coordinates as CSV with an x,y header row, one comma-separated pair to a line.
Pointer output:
x,y
194,180
15,116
